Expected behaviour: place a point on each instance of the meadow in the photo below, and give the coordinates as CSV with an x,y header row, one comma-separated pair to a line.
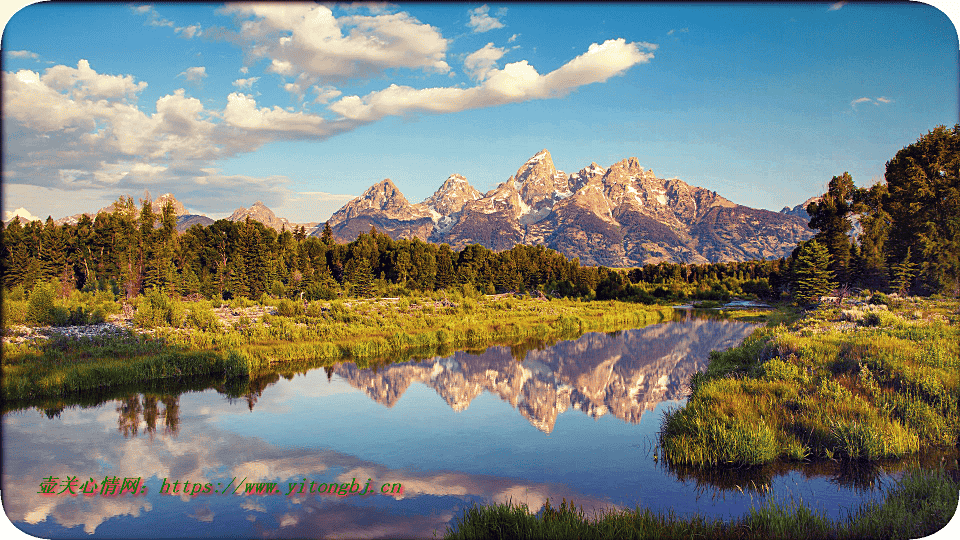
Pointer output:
x,y
171,338
874,379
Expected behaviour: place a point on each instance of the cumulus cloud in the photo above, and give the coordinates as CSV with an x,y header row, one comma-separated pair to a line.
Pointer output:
x,y
194,74
307,38
23,54
75,130
188,31
480,63
245,83
325,93
516,82
481,21
84,82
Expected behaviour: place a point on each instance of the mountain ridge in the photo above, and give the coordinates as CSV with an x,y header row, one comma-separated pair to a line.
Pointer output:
x,y
622,215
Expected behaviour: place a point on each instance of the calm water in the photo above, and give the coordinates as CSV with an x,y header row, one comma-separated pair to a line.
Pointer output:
x,y
575,420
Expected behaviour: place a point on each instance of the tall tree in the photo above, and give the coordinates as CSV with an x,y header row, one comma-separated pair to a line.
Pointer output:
x,y
813,277
831,216
924,205
870,266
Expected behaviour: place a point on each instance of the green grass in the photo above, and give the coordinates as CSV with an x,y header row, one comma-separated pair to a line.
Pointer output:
x,y
920,504
824,388
186,339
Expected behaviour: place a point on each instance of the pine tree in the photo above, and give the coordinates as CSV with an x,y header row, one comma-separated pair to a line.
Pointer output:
x,y
903,274
831,216
924,206
813,277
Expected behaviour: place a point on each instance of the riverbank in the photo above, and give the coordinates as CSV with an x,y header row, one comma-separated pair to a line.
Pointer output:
x,y
168,339
920,504
859,381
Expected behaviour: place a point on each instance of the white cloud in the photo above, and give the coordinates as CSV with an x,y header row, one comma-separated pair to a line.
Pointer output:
x,y
513,38
23,54
480,63
242,112
194,74
481,21
875,101
836,6
325,93
188,31
515,83
305,38
84,82
245,83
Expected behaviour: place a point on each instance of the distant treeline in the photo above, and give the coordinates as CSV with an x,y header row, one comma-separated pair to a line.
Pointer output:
x,y
910,241
130,251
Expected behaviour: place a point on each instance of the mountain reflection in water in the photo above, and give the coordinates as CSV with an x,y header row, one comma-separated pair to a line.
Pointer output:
x,y
622,373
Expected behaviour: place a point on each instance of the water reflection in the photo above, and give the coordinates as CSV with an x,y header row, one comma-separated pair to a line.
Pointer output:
x,y
623,373
478,427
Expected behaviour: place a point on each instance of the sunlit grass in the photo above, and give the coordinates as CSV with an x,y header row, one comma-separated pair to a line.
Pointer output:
x,y
187,339
825,390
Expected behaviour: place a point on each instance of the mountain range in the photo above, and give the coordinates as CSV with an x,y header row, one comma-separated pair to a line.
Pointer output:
x,y
617,216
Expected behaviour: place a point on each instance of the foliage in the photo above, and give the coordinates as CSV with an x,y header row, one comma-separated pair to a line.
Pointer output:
x,y
886,390
831,216
924,205
813,276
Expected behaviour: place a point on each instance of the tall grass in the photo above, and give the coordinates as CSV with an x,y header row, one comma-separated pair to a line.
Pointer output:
x,y
920,504
815,389
323,333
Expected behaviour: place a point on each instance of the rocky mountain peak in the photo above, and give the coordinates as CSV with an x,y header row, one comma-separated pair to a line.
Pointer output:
x,y
158,203
452,196
260,212
539,166
384,195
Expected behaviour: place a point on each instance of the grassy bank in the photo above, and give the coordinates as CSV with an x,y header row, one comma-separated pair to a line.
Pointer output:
x,y
186,339
921,503
858,382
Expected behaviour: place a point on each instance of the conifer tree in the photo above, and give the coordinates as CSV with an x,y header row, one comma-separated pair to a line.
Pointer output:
x,y
831,216
903,274
813,277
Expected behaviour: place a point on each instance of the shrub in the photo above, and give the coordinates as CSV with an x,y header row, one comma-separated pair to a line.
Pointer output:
x,y
157,309
203,318
40,306
289,308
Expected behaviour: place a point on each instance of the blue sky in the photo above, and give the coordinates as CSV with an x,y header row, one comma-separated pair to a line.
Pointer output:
x,y
304,106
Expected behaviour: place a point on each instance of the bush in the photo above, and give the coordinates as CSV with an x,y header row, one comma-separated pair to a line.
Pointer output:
x,y
40,306
158,309
880,299
289,308
203,318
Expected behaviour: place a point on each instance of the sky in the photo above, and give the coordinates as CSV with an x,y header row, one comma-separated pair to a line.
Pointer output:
x,y
305,106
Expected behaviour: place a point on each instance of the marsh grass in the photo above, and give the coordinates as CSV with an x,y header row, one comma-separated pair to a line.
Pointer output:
x,y
817,390
187,338
921,503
